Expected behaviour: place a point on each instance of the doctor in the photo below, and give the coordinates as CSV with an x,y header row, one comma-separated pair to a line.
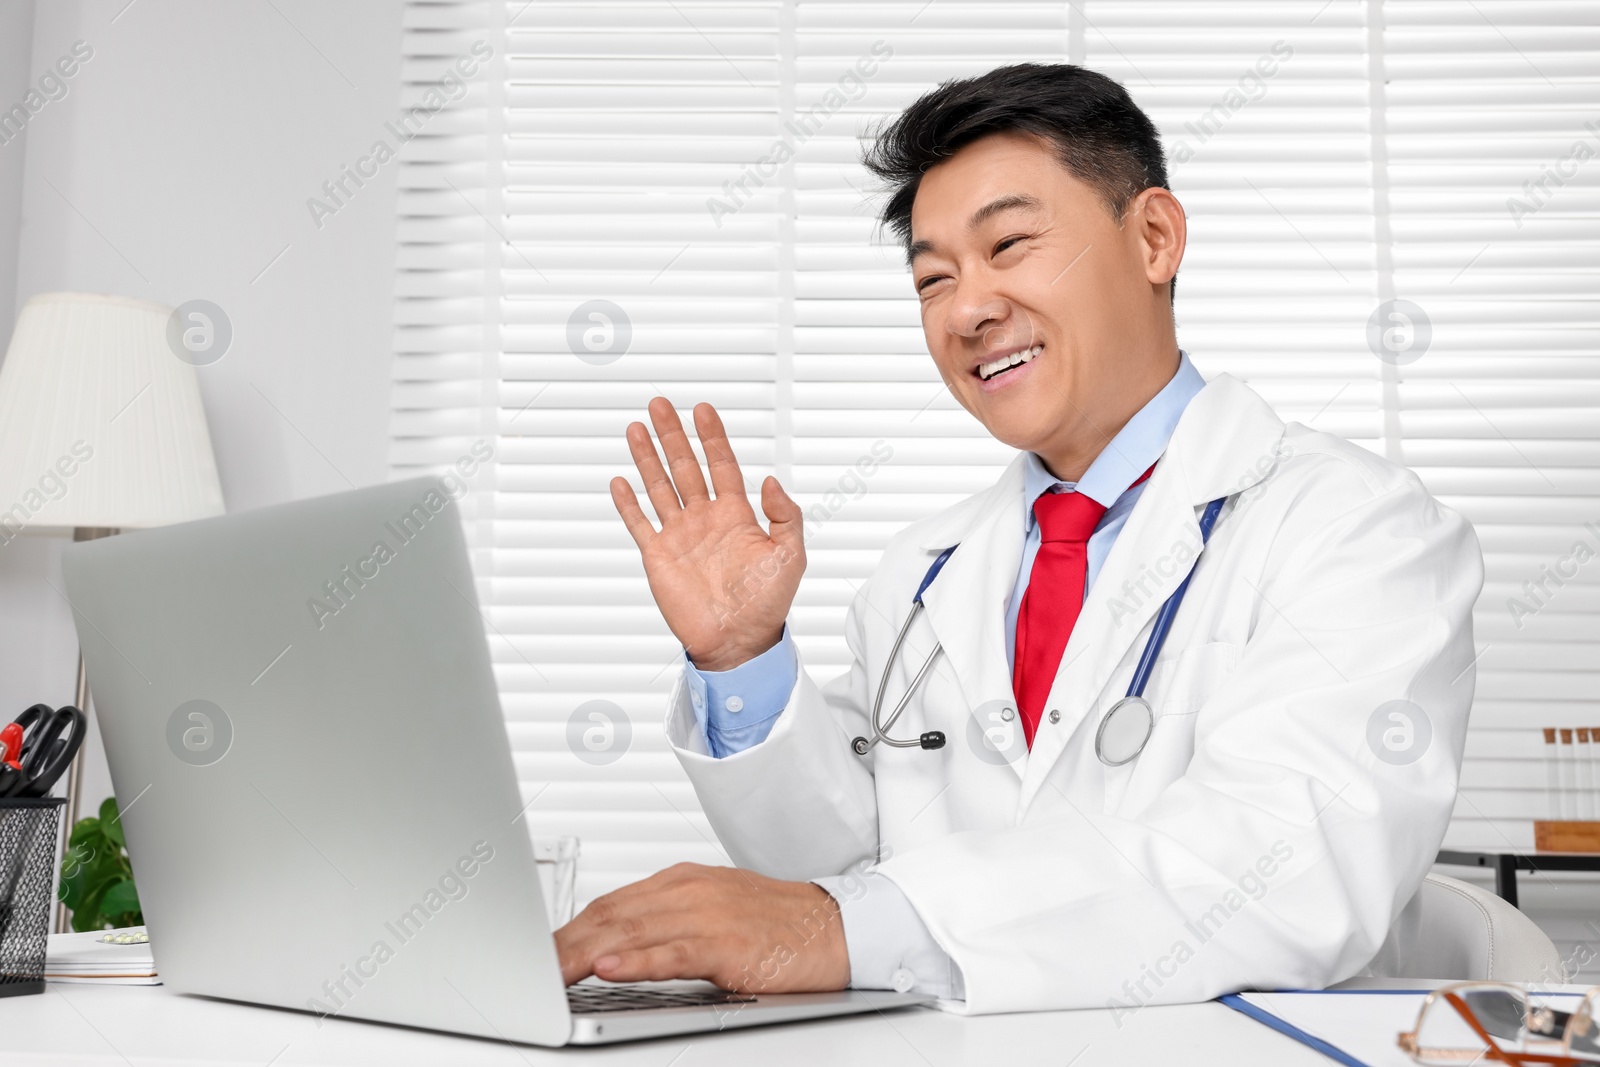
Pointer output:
x,y
1268,821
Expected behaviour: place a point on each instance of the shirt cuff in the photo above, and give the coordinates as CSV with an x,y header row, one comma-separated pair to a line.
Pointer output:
x,y
889,945
736,709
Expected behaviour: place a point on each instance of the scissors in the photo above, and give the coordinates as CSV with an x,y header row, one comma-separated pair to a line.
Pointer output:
x,y
38,749
13,739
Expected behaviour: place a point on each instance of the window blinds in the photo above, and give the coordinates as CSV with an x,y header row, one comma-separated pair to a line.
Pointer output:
x,y
1501,416
692,166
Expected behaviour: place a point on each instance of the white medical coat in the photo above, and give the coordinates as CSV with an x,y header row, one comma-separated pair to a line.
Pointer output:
x,y
1311,706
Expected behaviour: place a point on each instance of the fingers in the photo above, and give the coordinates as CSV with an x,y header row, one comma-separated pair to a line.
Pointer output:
x,y
659,910
633,516
783,519
657,486
658,963
726,478
735,928
581,941
668,493
680,455
582,958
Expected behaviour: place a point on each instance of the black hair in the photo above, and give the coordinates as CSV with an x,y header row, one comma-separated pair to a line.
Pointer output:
x,y
1099,133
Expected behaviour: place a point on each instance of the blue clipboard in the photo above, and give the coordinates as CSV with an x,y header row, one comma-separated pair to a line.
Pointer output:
x,y
1266,1018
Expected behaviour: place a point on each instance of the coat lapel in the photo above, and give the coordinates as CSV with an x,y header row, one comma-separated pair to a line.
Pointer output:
x,y
967,604
1225,442
1124,598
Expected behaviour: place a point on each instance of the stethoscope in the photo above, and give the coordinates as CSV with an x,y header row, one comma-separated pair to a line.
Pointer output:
x,y
1124,729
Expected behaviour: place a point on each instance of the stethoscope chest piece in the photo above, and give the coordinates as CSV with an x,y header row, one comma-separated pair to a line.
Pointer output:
x,y
1124,731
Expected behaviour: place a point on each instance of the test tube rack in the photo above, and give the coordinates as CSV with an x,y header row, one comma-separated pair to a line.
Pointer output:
x,y
1572,791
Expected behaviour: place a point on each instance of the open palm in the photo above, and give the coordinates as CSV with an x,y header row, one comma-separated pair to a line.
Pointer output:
x,y
723,584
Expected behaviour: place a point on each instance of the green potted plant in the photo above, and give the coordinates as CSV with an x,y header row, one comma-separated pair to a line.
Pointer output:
x,y
96,875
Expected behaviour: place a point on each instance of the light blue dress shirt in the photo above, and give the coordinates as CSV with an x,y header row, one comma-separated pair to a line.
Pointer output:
x,y
737,708
889,945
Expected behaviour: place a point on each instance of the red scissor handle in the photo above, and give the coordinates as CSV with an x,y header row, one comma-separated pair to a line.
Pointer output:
x,y
11,738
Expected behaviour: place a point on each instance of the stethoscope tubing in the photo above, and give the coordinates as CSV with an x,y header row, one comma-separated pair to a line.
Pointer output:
x,y
862,745
1136,685
882,732
1169,610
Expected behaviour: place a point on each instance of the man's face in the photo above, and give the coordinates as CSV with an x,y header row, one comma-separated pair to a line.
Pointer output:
x,y
1015,258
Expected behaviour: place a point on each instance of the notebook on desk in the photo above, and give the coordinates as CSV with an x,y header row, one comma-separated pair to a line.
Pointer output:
x,y
88,958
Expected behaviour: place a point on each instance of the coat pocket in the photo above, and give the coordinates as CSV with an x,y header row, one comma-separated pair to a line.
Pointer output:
x,y
1178,688
1191,678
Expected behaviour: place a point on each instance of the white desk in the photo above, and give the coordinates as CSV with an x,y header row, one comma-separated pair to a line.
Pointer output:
x,y
147,1026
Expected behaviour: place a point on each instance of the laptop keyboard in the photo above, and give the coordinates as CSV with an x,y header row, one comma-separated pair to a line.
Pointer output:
x,y
589,999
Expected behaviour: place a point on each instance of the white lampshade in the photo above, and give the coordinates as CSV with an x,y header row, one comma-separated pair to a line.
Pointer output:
x,y
100,422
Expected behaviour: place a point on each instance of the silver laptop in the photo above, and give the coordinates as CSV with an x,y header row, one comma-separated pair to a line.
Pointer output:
x,y
316,786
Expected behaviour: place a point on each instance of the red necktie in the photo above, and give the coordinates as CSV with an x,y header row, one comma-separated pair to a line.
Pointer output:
x,y
1054,597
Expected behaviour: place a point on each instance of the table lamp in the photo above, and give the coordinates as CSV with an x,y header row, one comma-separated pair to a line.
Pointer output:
x,y
101,429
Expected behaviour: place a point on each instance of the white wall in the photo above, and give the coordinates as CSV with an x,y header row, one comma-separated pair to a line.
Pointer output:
x,y
177,167
16,40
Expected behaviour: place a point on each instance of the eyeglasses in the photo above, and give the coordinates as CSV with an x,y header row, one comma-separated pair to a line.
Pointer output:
x,y
1473,1022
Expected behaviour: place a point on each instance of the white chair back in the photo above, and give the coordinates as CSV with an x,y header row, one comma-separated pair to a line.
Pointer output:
x,y
1455,931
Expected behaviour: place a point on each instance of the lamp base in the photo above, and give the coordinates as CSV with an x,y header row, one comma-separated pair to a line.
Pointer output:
x,y
63,923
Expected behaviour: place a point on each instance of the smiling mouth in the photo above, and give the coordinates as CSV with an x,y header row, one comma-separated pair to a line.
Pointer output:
x,y
988,371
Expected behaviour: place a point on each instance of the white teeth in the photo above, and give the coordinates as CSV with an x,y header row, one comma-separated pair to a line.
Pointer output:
x,y
989,370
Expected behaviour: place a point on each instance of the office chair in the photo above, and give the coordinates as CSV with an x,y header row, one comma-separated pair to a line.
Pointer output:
x,y
1467,934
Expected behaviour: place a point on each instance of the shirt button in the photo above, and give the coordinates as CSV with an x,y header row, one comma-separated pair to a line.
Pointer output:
x,y
903,980
697,700
1055,716
734,704
1006,714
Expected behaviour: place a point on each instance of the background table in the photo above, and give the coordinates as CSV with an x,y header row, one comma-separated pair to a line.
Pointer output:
x,y
1506,864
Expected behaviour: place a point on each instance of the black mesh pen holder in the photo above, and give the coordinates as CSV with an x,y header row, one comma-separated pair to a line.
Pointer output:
x,y
29,830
